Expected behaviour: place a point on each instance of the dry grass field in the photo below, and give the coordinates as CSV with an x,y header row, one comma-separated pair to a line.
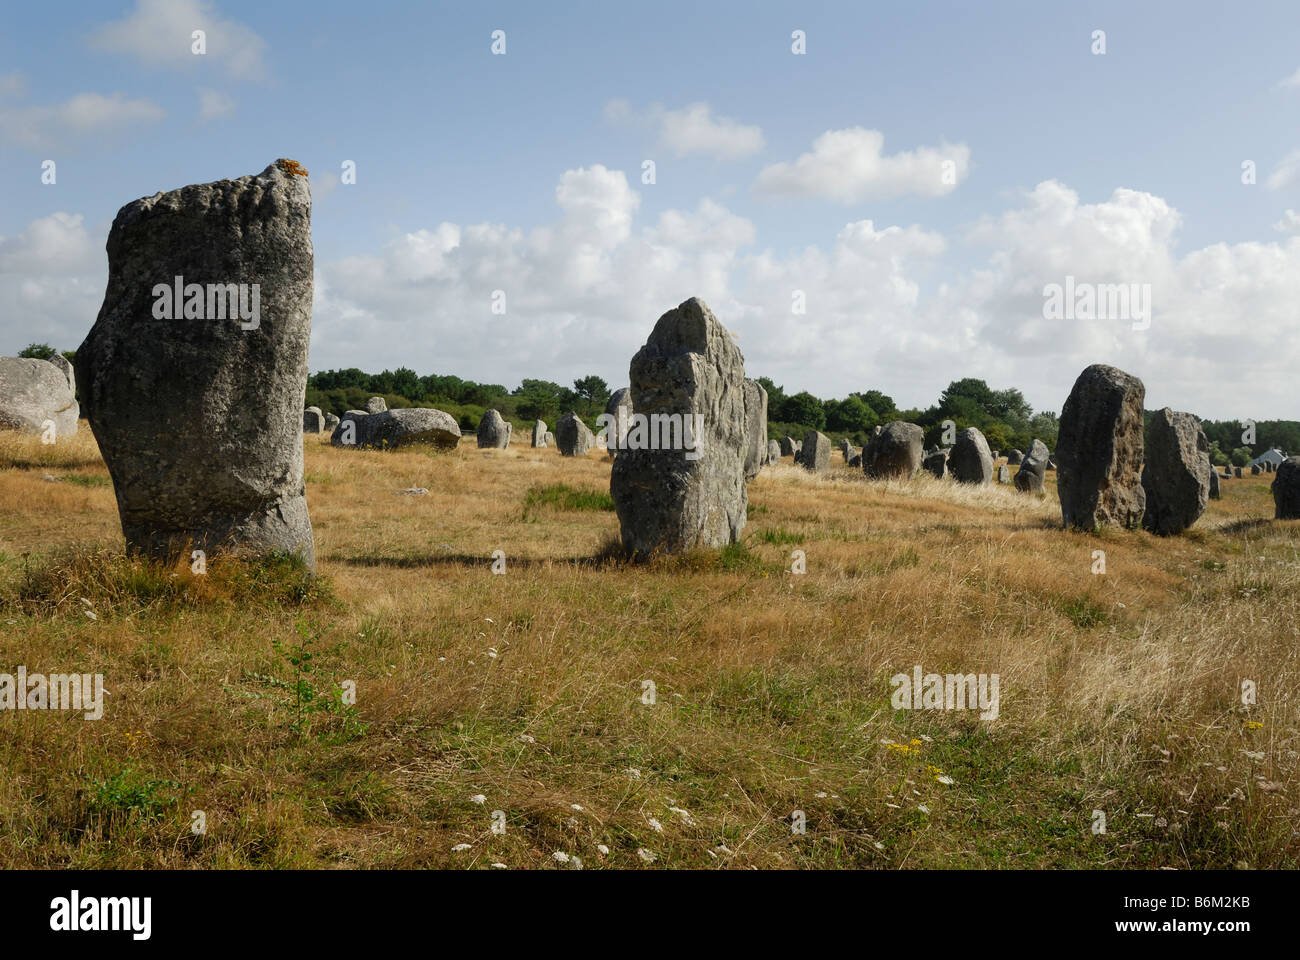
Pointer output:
x,y
523,692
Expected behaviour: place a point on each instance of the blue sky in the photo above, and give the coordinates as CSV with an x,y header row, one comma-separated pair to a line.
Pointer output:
x,y
447,137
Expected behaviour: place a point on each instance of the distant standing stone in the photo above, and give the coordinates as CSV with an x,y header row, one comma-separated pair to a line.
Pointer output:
x,y
573,437
1099,450
1033,469
376,405
1254,470
1014,458
493,431
550,439
936,463
787,446
620,408
1236,472
816,452
755,428
894,452
313,421
970,460
539,433
1215,494
773,451
1004,473
331,421
34,392
1286,490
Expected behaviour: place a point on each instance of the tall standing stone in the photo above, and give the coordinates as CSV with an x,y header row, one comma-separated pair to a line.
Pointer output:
x,y
773,451
787,446
1099,450
200,420
573,437
1215,493
970,460
313,421
1286,490
1176,478
667,501
816,452
539,433
493,431
894,451
755,428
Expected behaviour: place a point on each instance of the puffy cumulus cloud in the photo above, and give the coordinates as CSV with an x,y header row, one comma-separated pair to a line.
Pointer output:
x,y
1286,173
159,34
1219,315
82,116
850,165
52,279
692,130
584,291
884,309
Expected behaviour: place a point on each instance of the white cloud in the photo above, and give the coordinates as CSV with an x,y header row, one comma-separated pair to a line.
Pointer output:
x,y
52,279
693,129
1286,172
159,34
79,117
584,290
849,165
1291,81
1290,223
213,104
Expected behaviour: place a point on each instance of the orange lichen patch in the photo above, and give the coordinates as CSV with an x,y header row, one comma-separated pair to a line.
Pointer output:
x,y
292,167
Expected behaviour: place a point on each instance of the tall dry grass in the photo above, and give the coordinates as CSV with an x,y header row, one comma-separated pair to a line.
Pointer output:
x,y
1119,692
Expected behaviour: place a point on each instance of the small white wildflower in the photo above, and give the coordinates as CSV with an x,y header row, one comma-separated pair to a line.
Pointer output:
x,y
923,808
478,798
946,780
820,794
499,866
560,856
575,806
604,850
634,773
647,856
656,826
684,814
460,847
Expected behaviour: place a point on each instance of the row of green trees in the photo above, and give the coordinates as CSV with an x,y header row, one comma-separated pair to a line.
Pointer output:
x,y
1004,416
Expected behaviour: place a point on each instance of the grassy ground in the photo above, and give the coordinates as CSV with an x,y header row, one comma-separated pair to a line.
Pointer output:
x,y
524,692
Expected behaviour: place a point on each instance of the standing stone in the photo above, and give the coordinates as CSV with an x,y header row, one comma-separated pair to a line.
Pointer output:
x,y
970,460
493,431
331,421
34,391
1051,464
376,405
1176,478
347,432
1004,473
936,463
798,447
550,438
773,452
313,421
787,446
1014,458
573,437
1033,469
755,428
1254,470
816,452
1236,472
539,433
1099,450
845,447
1286,490
1215,494
666,501
200,420
894,451
620,408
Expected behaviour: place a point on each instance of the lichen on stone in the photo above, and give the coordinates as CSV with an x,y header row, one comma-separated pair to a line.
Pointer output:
x,y
292,167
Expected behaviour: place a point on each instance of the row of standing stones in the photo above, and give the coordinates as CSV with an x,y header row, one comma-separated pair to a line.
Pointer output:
x,y
200,422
